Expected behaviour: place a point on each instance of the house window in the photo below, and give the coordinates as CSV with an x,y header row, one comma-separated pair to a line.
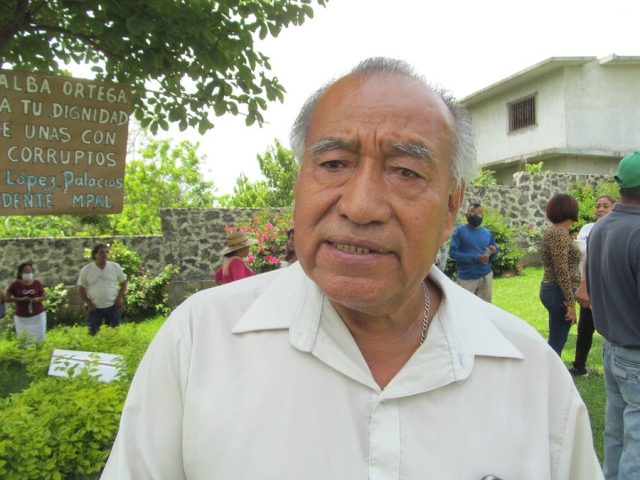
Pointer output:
x,y
522,113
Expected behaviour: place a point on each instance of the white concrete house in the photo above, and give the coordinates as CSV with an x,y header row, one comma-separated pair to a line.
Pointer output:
x,y
575,114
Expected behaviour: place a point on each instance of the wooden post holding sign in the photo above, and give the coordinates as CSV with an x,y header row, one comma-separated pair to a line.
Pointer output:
x,y
63,144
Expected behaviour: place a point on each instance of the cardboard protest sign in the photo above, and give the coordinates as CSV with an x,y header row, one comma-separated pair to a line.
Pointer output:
x,y
63,143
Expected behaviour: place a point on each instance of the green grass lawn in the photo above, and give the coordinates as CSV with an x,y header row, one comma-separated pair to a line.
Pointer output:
x,y
519,296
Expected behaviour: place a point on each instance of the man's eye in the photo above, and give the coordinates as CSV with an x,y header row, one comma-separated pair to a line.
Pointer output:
x,y
405,172
332,164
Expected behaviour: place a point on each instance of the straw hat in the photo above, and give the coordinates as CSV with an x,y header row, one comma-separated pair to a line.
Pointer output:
x,y
236,241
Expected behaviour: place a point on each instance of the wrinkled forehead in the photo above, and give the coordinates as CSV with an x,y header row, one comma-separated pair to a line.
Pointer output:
x,y
360,101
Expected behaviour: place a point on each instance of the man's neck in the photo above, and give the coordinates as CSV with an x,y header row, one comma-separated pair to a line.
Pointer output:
x,y
101,265
628,201
387,342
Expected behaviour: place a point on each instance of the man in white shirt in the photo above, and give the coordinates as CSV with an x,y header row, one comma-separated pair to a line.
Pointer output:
x,y
361,360
102,284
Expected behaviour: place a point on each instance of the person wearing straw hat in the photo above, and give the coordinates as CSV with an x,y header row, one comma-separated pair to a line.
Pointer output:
x,y
233,268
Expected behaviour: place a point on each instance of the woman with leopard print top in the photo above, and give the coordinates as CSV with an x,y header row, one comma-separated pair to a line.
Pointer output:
x,y
560,259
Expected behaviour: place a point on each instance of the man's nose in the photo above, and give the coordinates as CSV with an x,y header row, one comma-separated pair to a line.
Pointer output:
x,y
365,196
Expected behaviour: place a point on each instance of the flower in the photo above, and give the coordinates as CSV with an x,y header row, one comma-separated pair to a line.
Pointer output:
x,y
250,258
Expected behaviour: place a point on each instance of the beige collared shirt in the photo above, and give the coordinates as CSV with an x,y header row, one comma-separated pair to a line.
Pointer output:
x,y
260,379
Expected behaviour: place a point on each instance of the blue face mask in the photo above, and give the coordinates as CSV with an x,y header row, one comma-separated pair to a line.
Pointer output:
x,y
474,220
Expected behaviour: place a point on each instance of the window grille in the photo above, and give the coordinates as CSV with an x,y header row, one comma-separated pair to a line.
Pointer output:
x,y
522,113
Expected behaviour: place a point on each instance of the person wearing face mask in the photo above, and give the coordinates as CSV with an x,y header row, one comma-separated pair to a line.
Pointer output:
x,y
473,247
28,294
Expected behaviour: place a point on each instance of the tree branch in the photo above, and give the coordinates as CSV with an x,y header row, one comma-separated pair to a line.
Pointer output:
x,y
81,36
21,19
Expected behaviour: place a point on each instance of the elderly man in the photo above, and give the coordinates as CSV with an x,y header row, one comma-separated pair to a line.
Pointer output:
x,y
360,360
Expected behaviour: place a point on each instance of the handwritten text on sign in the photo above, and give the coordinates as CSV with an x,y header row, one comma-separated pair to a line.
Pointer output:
x,y
63,143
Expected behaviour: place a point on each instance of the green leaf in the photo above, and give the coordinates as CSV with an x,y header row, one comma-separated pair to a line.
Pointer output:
x,y
78,23
134,26
263,32
96,26
175,115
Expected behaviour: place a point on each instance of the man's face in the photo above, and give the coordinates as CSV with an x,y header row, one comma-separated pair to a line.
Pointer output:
x,y
102,255
473,211
375,196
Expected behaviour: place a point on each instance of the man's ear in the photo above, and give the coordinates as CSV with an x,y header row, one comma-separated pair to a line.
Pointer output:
x,y
456,197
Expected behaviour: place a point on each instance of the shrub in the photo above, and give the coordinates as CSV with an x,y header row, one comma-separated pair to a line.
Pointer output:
x,y
485,177
145,295
60,427
271,231
534,167
57,300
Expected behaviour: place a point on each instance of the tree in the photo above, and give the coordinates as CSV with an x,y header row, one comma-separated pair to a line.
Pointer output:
x,y
164,177
280,169
199,53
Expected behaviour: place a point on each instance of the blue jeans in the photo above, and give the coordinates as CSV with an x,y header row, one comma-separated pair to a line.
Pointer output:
x,y
110,315
622,415
553,300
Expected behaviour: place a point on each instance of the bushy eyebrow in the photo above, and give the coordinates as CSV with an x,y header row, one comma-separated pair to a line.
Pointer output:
x,y
328,143
415,150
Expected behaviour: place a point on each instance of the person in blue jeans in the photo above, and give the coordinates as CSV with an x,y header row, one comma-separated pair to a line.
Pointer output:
x,y
102,284
613,288
560,259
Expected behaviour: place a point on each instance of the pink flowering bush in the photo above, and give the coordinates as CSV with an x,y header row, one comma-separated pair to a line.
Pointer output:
x,y
270,229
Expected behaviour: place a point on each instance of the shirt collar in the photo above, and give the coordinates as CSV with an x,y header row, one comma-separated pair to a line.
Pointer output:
x,y
626,208
461,330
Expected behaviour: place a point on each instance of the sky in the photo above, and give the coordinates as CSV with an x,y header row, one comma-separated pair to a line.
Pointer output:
x,y
462,45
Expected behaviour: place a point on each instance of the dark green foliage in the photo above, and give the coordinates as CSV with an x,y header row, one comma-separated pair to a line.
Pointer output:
x,y
13,378
199,55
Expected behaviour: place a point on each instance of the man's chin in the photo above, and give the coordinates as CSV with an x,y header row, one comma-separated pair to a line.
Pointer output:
x,y
360,294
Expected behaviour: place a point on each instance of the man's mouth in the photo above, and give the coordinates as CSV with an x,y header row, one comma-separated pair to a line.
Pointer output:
x,y
351,248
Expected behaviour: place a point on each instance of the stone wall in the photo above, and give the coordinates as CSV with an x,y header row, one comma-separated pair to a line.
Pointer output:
x,y
524,203
192,238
